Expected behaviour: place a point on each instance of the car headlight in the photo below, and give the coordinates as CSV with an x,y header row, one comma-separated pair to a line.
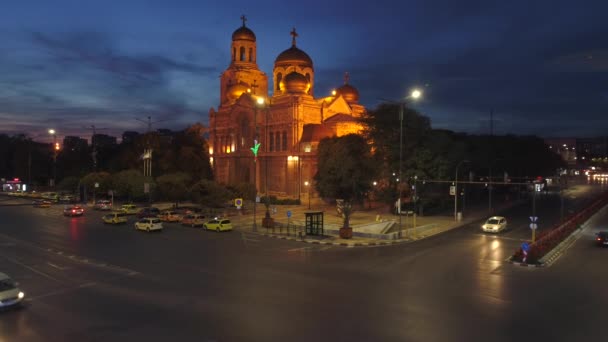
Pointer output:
x,y
21,295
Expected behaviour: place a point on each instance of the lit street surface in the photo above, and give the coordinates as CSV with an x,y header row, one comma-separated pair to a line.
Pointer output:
x,y
86,281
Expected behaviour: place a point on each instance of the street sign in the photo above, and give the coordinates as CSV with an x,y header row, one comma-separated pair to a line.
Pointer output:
x,y
257,199
288,213
533,226
525,247
238,203
96,185
533,219
452,190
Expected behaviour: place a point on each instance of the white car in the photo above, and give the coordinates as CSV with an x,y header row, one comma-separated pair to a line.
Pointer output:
x,y
495,224
149,224
9,292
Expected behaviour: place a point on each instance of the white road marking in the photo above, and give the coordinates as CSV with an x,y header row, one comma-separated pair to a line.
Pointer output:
x,y
298,249
56,266
32,269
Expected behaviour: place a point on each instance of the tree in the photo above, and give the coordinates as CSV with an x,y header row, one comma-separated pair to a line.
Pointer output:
x,y
130,183
103,179
174,186
69,184
345,171
210,194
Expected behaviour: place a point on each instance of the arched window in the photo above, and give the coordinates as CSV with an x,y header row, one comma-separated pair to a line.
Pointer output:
x,y
279,79
250,54
242,53
308,78
284,141
234,54
277,141
271,139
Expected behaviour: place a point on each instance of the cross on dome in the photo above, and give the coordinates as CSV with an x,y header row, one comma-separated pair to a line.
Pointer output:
x,y
293,34
346,77
244,19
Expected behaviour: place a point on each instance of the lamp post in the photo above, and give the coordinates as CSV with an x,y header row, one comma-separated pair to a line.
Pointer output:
x,y
307,185
415,95
55,150
456,190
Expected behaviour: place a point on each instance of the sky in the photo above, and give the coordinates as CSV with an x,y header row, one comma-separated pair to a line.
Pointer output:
x,y
540,67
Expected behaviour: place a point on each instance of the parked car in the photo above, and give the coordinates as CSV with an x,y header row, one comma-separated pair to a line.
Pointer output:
x,y
129,209
53,196
42,203
149,224
193,220
602,238
103,205
148,212
75,210
10,294
66,198
115,218
495,224
218,225
169,216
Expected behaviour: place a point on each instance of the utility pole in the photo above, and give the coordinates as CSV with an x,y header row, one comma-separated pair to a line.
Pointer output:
x,y
147,156
94,145
489,157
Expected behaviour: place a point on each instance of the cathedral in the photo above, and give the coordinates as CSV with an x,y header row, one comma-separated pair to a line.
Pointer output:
x,y
267,134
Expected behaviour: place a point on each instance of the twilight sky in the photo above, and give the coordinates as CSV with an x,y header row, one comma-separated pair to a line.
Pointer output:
x,y
541,65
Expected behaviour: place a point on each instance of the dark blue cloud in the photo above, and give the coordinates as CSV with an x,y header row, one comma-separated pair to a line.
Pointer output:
x,y
540,66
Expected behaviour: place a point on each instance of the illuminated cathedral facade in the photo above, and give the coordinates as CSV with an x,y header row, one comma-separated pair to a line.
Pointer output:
x,y
283,117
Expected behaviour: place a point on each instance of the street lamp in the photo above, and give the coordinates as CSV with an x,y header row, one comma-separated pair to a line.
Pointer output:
x,y
415,94
307,185
55,151
456,190
261,102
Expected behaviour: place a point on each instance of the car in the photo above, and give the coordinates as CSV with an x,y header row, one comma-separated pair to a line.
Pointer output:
x,y
75,210
103,205
495,224
66,198
193,220
53,196
169,216
129,209
42,203
10,294
149,224
148,212
115,218
218,225
602,238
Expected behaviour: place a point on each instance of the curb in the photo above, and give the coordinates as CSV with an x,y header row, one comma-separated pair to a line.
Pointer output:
x,y
330,243
523,264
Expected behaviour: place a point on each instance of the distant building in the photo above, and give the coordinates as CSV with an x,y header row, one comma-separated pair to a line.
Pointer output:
x,y
581,153
287,124
73,143
103,140
128,137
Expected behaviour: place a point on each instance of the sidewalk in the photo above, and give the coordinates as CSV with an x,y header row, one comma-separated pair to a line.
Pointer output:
x,y
425,226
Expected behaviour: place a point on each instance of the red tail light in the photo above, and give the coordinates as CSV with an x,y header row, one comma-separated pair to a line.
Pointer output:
x,y
599,239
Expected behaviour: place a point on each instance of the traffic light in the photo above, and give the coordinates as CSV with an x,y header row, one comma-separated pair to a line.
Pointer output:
x,y
56,146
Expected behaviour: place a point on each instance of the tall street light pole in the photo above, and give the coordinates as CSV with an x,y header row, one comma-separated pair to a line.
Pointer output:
x,y
414,95
55,150
456,190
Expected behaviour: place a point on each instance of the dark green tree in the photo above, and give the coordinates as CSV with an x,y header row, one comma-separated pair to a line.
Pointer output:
x,y
345,170
174,186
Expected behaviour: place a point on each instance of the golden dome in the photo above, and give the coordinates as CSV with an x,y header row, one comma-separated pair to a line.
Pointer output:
x,y
295,82
293,56
235,91
348,92
243,33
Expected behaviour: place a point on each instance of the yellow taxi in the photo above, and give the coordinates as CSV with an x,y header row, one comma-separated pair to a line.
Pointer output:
x,y
169,216
193,220
219,225
129,209
115,218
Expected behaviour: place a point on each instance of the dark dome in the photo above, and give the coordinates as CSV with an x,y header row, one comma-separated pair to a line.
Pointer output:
x,y
295,83
348,92
293,55
243,33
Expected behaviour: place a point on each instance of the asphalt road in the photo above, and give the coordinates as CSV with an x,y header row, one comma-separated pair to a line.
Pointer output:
x,y
86,281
